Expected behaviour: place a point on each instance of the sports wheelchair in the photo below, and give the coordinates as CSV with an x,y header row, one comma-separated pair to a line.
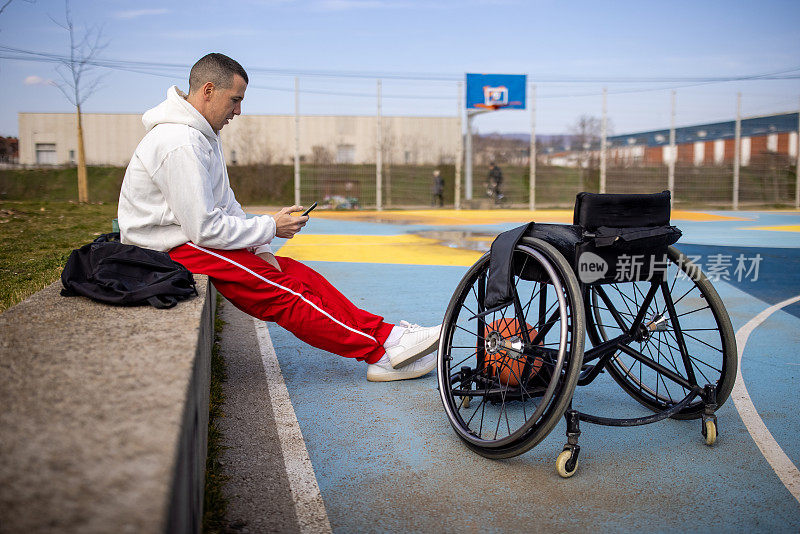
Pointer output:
x,y
511,352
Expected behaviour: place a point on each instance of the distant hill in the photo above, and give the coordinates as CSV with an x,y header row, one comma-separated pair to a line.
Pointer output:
x,y
526,137
547,142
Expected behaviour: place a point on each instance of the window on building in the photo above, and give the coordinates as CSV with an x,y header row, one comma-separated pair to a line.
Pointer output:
x,y
72,157
233,157
345,154
46,154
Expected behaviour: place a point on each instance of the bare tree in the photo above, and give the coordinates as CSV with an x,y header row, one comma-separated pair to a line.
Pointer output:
x,y
8,2
321,155
4,6
585,132
585,139
75,83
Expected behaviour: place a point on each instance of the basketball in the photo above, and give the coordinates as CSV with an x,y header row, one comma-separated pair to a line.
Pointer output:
x,y
508,367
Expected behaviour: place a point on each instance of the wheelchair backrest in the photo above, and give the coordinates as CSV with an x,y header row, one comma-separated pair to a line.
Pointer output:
x,y
629,234
593,210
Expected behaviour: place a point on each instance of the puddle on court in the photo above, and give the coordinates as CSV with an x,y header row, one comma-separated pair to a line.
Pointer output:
x,y
477,241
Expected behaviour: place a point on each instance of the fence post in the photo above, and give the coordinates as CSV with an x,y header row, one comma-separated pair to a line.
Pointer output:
x,y
532,156
673,152
297,140
736,150
797,167
379,157
459,151
603,144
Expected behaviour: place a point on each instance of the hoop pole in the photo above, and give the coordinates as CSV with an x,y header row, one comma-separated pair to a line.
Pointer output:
x,y
468,158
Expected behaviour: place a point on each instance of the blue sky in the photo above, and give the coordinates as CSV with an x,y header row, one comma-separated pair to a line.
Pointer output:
x,y
571,50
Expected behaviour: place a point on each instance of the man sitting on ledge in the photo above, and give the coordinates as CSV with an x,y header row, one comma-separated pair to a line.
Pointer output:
x,y
176,197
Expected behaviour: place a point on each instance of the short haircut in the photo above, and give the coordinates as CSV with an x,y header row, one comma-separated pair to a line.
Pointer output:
x,y
216,68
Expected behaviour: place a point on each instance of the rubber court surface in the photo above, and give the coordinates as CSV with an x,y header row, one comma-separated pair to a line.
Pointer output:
x,y
385,458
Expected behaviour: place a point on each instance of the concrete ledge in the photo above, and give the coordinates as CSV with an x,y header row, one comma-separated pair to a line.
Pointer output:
x,y
104,414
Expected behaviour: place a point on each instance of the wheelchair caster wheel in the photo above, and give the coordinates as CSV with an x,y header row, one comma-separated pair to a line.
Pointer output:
x,y
710,431
564,464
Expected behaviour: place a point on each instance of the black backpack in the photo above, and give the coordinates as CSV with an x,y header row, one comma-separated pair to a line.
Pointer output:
x,y
125,275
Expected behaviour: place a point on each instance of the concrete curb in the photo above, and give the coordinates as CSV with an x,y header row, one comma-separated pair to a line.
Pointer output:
x,y
104,414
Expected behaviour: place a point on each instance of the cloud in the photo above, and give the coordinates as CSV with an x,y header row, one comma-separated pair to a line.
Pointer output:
x,y
136,13
36,80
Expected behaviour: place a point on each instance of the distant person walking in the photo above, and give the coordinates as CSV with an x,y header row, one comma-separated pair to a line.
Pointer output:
x,y
437,189
494,183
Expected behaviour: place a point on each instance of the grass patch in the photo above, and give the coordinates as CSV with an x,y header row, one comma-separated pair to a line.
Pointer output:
x,y
215,504
60,183
37,237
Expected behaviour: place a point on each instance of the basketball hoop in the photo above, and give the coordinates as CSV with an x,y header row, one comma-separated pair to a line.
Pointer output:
x,y
491,107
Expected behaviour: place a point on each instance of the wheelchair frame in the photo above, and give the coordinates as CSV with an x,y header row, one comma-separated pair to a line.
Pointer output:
x,y
507,375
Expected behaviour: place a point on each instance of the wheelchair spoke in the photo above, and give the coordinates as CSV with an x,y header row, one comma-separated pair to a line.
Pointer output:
x,y
703,342
684,351
535,292
679,299
616,314
684,314
475,353
470,332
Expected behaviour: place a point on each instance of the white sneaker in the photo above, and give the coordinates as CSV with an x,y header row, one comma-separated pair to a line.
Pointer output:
x,y
416,342
384,372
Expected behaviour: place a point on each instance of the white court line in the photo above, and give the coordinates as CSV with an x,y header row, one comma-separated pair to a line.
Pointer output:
x,y
780,463
309,506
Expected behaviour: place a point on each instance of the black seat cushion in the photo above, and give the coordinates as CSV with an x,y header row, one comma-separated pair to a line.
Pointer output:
x,y
593,210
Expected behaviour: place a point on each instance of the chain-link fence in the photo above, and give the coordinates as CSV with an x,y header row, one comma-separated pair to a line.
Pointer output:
x,y
770,182
339,165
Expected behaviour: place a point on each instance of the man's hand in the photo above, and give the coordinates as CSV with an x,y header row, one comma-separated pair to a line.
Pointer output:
x,y
286,225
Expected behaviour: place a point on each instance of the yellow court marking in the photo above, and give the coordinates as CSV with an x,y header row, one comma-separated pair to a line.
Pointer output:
x,y
450,217
701,216
466,217
398,249
785,228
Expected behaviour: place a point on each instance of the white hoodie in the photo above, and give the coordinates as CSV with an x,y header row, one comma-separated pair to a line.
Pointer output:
x,y
176,187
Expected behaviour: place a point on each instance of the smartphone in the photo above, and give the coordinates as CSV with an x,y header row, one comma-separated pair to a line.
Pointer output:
x,y
314,205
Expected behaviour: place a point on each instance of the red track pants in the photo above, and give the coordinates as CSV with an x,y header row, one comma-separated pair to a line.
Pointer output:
x,y
297,298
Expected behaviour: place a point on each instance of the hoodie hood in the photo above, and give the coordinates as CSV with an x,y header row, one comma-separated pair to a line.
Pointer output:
x,y
176,110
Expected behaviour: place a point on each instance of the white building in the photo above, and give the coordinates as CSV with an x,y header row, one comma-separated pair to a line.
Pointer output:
x,y
110,139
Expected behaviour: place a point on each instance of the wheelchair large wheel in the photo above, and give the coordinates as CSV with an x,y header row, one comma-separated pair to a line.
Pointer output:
x,y
507,376
686,331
